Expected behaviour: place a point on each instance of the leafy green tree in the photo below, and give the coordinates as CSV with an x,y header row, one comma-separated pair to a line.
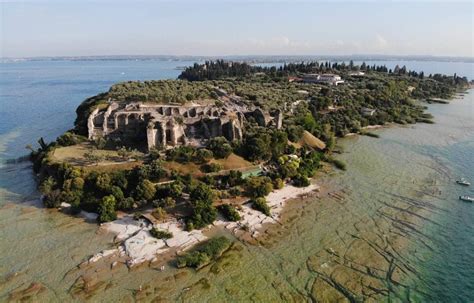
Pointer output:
x,y
107,209
159,213
125,204
103,182
220,147
203,155
260,204
258,186
145,190
229,212
52,199
47,185
201,200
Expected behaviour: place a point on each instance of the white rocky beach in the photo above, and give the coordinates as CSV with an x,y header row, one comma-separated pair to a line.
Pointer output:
x,y
136,245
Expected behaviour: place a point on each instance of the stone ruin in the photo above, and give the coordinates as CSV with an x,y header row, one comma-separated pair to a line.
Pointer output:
x,y
171,125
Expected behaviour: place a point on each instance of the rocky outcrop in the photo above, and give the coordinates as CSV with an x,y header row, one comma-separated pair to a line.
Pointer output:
x,y
172,125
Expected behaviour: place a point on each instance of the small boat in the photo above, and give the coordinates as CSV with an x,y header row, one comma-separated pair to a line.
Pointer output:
x,y
463,182
466,199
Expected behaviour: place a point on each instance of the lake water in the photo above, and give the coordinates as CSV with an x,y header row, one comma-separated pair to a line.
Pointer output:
x,y
408,173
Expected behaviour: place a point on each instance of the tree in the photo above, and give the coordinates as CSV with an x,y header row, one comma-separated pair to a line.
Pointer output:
x,y
94,157
103,182
145,190
279,142
203,155
229,212
159,213
220,147
47,185
52,199
301,181
201,200
260,204
107,209
258,186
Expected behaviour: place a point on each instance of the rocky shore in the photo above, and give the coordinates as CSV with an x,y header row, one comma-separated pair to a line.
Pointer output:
x,y
136,245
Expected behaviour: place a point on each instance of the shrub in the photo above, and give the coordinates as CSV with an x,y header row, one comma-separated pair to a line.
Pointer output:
x,y
211,250
69,138
117,193
278,183
107,209
203,155
167,202
161,234
258,186
52,199
220,147
47,185
145,190
203,212
229,212
301,181
211,167
234,178
260,204
159,213
125,204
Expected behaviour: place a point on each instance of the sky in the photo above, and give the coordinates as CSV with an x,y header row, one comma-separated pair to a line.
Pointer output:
x,y
213,28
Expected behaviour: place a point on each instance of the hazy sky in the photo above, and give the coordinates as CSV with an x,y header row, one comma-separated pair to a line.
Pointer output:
x,y
70,28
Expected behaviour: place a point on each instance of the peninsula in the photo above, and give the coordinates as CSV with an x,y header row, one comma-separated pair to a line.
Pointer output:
x,y
225,145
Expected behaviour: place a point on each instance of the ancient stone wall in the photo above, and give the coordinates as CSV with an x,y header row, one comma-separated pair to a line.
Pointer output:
x,y
170,125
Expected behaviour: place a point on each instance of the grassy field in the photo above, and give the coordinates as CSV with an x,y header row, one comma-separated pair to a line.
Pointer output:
x,y
310,140
75,155
233,162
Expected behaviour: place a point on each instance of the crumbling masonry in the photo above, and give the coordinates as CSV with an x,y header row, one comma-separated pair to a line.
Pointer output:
x,y
172,125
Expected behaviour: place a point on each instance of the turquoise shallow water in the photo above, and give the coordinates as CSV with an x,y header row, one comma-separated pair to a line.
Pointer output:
x,y
419,163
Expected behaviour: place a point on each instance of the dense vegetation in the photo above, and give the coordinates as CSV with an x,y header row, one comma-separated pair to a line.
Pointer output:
x,y
323,111
211,250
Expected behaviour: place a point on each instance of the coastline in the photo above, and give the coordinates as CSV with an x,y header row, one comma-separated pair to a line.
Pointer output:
x,y
136,246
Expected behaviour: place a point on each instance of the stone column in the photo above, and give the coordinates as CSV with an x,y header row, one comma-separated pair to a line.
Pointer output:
x,y
151,135
90,123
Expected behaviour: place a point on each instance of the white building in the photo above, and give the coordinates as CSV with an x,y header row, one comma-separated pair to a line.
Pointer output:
x,y
330,79
368,111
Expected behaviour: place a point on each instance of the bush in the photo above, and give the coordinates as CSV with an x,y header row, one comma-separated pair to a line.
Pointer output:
x,y
220,147
203,155
159,213
211,250
167,202
301,181
229,212
107,209
68,139
52,199
258,186
203,212
145,190
260,204
211,167
161,234
278,183
125,204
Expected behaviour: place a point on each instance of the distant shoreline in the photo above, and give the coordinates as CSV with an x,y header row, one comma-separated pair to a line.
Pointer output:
x,y
247,58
